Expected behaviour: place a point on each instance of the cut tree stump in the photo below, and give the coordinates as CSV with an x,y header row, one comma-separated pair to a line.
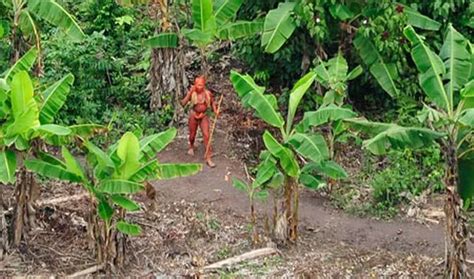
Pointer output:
x,y
259,253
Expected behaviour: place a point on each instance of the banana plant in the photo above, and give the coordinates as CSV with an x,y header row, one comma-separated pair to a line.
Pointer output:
x,y
25,15
447,79
213,21
302,157
26,122
266,179
334,75
112,177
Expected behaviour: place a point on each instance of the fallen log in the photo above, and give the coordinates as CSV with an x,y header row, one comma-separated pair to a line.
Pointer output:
x,y
264,252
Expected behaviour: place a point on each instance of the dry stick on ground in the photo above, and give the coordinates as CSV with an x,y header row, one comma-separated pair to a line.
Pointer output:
x,y
264,252
62,199
87,271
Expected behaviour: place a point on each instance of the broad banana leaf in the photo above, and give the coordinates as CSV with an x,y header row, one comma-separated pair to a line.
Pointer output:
x,y
265,106
7,166
252,95
52,129
128,150
202,13
337,68
104,166
28,25
239,29
385,74
457,60
266,170
163,40
419,20
225,10
21,93
467,94
54,98
331,169
24,107
431,70
145,172
311,182
72,165
285,156
467,118
370,128
25,63
151,145
125,203
244,85
300,88
50,159
2,31
325,115
198,37
278,27
105,211
392,136
118,186
239,184
171,171
312,147
128,229
51,170
55,14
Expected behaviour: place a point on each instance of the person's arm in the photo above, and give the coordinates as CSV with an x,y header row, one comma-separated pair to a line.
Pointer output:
x,y
186,99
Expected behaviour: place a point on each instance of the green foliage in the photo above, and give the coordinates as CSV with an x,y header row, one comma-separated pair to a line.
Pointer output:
x,y
213,21
443,79
26,116
117,174
408,172
110,69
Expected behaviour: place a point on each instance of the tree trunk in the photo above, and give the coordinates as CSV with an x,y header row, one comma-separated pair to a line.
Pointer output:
x,y
204,64
456,231
294,217
286,228
3,226
26,192
253,221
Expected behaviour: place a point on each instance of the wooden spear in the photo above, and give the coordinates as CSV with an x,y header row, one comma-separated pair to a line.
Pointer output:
x,y
208,147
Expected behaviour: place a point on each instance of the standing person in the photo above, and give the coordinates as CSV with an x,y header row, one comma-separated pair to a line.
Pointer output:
x,y
201,100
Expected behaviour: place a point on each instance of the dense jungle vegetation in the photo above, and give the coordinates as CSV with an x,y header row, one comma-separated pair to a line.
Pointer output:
x,y
363,107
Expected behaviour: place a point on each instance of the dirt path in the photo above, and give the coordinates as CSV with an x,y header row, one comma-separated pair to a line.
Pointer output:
x,y
214,186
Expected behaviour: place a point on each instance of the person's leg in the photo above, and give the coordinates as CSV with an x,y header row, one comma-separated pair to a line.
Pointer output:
x,y
192,125
205,124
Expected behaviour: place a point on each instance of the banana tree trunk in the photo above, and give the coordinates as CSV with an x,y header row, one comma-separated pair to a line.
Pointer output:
x,y
286,228
456,231
294,218
26,192
3,226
